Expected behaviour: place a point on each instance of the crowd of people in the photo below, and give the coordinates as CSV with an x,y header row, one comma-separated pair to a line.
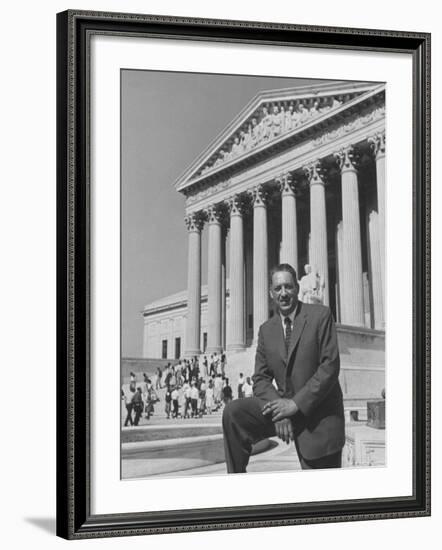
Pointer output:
x,y
192,388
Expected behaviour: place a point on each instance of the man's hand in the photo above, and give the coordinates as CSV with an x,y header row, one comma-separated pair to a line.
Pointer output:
x,y
280,408
284,430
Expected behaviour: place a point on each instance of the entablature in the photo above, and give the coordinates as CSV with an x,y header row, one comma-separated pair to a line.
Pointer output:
x,y
354,131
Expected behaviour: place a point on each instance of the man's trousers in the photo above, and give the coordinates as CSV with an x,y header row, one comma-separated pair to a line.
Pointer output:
x,y
244,424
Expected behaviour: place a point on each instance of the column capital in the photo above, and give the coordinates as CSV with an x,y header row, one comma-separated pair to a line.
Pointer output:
x,y
236,205
315,173
346,159
377,143
258,195
215,213
286,184
194,221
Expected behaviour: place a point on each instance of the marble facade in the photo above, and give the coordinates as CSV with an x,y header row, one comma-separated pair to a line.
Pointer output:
x,y
298,177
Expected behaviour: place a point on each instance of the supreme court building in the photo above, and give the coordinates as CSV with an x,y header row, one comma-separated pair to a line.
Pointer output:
x,y
297,177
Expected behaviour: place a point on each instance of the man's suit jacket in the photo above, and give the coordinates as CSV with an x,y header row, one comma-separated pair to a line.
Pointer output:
x,y
308,374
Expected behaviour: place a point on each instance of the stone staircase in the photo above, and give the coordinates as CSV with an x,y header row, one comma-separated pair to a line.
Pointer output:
x,y
362,375
237,362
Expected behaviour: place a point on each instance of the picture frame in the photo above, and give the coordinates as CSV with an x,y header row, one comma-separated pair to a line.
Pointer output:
x,y
75,217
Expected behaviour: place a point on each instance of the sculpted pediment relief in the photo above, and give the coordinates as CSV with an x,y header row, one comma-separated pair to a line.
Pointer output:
x,y
270,118
269,122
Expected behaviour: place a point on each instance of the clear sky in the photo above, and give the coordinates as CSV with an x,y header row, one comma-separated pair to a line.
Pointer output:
x,y
167,120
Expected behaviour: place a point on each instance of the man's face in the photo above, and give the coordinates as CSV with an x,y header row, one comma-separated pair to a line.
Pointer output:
x,y
284,292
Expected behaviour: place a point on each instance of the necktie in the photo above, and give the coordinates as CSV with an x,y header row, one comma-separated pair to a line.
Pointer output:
x,y
288,332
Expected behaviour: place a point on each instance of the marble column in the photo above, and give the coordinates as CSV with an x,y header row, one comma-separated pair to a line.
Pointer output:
x,y
289,245
214,280
340,269
223,287
318,256
376,269
378,144
235,332
260,259
353,305
248,276
194,225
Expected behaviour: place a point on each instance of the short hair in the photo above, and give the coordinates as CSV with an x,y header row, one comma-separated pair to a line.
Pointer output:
x,y
283,267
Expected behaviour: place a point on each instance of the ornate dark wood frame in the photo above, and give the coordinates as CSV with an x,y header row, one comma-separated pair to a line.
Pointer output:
x,y
74,518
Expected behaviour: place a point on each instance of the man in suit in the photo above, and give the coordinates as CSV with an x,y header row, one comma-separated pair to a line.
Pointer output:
x,y
298,351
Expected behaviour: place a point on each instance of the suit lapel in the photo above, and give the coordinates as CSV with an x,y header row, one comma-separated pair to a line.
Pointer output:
x,y
298,327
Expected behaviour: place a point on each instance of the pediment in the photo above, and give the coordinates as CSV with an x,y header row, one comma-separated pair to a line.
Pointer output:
x,y
271,117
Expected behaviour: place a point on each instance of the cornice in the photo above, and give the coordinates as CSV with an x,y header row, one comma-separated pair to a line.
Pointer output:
x,y
149,311
182,304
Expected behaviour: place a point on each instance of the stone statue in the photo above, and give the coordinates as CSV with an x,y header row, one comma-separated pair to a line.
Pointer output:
x,y
282,118
244,139
288,125
302,113
314,109
265,124
275,126
256,132
311,286
236,147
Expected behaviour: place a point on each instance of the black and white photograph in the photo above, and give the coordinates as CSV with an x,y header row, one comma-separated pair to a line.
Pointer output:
x,y
221,266
252,274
